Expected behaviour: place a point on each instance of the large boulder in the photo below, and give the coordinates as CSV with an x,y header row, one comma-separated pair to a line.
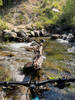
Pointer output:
x,y
21,33
15,30
72,40
8,34
69,36
55,36
37,33
64,36
32,33
43,32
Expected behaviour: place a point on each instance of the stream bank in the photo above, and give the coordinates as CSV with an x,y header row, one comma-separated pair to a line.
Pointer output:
x,y
13,57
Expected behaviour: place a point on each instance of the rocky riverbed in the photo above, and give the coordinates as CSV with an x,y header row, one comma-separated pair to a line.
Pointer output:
x,y
59,63
13,57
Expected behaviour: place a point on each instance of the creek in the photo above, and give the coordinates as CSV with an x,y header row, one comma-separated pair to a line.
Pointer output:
x,y
59,63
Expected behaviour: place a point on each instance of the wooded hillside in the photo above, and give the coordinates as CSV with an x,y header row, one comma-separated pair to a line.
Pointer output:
x,y
40,13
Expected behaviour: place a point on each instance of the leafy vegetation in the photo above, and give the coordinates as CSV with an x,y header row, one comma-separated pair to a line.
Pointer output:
x,y
68,15
1,2
44,13
64,15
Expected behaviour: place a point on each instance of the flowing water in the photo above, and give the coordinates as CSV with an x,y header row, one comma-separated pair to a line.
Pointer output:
x,y
13,57
59,63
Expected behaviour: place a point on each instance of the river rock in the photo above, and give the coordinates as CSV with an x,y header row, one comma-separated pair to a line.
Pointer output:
x,y
69,36
7,34
21,33
71,50
42,32
15,30
72,40
55,36
64,36
29,27
32,33
28,34
37,33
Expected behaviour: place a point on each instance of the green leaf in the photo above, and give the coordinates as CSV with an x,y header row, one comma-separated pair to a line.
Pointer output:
x,y
1,2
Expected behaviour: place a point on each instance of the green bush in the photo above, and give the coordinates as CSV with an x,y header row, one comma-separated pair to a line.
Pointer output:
x,y
68,15
39,25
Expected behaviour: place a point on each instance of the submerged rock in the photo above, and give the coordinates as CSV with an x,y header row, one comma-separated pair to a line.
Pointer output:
x,y
71,50
64,36
55,36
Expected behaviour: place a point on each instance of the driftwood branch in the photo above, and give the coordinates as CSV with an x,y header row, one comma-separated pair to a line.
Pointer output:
x,y
38,59
37,62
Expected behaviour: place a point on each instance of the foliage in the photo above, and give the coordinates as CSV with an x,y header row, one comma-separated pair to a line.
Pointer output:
x,y
46,15
1,2
65,15
39,25
68,15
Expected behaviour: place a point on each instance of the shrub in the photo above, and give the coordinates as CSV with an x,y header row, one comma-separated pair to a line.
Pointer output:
x,y
39,25
68,16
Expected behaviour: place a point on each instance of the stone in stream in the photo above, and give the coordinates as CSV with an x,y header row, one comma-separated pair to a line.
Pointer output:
x,y
9,35
21,33
42,32
55,36
15,30
64,36
37,33
69,36
32,33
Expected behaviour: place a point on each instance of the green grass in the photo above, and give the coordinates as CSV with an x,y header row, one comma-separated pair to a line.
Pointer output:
x,y
3,25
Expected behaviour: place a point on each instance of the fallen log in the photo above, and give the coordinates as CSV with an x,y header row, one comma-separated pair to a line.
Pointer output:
x,y
33,68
